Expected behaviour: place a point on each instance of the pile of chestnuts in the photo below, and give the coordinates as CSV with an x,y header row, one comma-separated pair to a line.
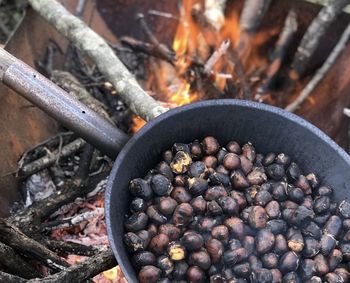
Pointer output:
x,y
212,214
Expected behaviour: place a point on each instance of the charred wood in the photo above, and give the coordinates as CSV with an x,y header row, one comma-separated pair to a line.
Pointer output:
x,y
304,94
64,247
278,55
252,14
13,237
313,35
15,264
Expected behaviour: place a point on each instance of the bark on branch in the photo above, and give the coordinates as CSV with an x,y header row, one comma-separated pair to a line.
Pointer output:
x,y
87,41
313,35
82,271
252,14
13,237
15,264
321,72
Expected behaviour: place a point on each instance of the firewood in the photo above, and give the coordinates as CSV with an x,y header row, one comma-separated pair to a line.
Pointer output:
x,y
49,159
71,221
252,14
66,247
278,55
91,44
215,57
313,35
320,72
16,264
147,48
84,270
9,278
13,237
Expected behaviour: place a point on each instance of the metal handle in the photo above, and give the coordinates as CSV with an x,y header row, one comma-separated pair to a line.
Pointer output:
x,y
60,105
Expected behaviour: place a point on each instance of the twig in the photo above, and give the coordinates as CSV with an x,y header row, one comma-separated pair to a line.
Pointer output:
x,y
79,10
71,221
38,149
15,264
238,68
278,55
162,14
214,58
50,158
83,270
145,47
252,14
13,237
321,72
162,49
313,35
71,248
87,41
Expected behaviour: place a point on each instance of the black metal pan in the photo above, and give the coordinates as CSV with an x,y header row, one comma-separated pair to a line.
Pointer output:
x,y
269,128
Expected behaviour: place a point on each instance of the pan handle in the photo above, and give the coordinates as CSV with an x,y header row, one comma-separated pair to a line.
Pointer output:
x,y
60,105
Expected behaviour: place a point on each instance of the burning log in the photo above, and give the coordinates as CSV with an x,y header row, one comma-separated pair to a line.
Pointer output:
x,y
87,41
252,14
313,35
321,72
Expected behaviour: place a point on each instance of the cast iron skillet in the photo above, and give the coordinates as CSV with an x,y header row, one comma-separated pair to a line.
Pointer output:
x,y
268,128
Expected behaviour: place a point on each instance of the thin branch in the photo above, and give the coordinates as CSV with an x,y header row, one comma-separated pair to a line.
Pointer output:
x,y
71,248
321,72
313,35
72,221
83,270
162,49
87,41
50,158
252,14
147,48
215,57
